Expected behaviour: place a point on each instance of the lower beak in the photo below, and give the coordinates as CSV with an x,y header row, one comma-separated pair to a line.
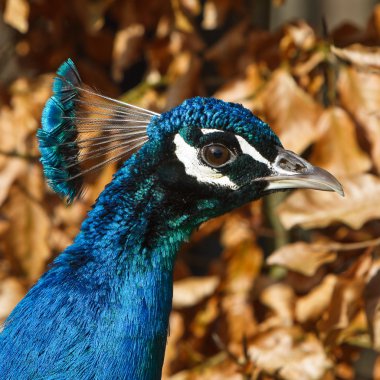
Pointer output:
x,y
291,171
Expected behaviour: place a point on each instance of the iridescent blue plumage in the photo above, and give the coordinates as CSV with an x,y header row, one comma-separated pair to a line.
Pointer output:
x,y
58,134
101,312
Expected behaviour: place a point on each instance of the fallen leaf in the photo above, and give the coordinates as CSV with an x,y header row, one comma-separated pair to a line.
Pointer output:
x,y
27,238
338,150
16,14
316,209
200,325
345,302
126,49
192,290
302,257
11,292
216,368
243,90
359,54
299,35
183,74
372,303
236,230
176,330
210,16
181,20
15,167
311,306
243,263
360,95
291,112
280,298
228,46
290,354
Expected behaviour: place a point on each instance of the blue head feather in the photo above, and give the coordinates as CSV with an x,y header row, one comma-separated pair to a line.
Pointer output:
x,y
214,113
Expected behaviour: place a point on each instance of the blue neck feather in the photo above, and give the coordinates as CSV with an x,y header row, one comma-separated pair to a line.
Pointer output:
x,y
110,292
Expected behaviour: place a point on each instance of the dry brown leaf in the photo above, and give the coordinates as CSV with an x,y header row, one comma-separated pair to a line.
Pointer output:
x,y
359,55
27,237
92,13
299,35
291,112
219,367
228,46
15,167
182,22
338,150
16,14
126,49
290,353
311,306
316,209
20,121
192,290
372,303
176,330
11,292
345,302
343,307
236,230
243,91
4,225
243,264
204,317
183,74
302,257
360,95
280,298
303,68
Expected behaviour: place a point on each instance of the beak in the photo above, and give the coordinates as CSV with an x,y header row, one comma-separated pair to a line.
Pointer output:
x,y
291,171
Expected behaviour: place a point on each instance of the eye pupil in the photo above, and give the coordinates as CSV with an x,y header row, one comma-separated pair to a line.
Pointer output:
x,y
216,155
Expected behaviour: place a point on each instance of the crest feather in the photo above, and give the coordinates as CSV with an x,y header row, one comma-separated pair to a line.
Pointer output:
x,y
83,130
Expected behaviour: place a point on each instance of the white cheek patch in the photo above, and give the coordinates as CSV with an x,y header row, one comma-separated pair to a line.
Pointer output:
x,y
188,155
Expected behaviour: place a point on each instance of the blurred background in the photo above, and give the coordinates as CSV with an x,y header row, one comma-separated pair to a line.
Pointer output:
x,y
284,288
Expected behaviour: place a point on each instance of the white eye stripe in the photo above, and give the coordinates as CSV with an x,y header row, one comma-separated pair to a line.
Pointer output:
x,y
245,147
188,155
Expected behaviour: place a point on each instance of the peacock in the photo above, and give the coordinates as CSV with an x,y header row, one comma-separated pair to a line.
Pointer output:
x,y
101,311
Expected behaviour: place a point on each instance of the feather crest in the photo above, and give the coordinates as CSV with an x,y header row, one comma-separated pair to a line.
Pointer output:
x,y
83,130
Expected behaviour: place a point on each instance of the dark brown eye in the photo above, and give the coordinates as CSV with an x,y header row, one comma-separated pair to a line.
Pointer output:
x,y
216,155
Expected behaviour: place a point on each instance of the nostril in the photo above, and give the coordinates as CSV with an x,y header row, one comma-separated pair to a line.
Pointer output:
x,y
290,165
283,163
299,167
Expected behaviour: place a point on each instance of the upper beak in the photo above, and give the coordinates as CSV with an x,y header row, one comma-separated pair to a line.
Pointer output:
x,y
291,171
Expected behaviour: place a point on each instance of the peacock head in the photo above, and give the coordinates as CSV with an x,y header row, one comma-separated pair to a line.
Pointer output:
x,y
221,153
208,155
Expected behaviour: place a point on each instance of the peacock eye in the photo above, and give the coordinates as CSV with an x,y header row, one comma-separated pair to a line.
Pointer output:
x,y
215,155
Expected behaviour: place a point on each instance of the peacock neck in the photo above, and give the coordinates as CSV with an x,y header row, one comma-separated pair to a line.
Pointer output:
x,y
121,266
102,310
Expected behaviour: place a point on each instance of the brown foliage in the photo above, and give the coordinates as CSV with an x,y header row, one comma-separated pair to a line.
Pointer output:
x,y
312,308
